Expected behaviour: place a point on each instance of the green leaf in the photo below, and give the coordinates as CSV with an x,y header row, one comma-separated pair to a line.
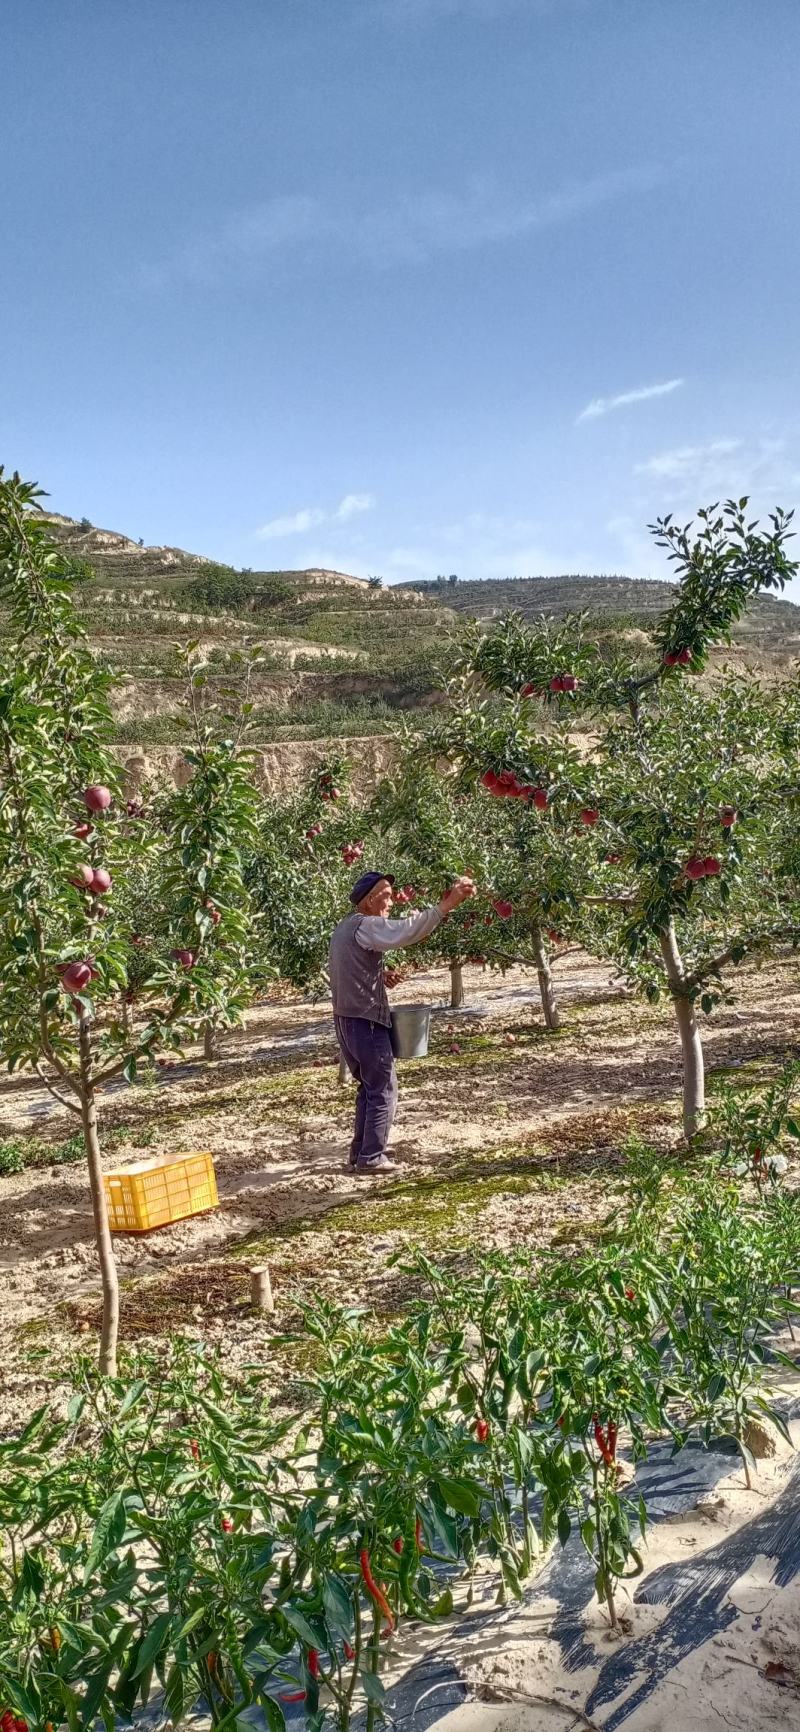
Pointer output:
x,y
302,1627
373,1689
191,1622
338,1607
153,1642
32,1576
95,1693
273,1714
461,1495
109,1529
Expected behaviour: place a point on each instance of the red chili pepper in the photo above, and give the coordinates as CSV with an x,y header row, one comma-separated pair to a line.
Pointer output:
x,y
419,1535
600,1440
373,1590
629,1293
562,1421
293,1696
227,1525
195,1448
482,1430
313,1662
349,1653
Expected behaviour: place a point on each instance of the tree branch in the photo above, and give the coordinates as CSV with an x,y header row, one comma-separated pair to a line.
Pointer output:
x,y
72,1106
746,946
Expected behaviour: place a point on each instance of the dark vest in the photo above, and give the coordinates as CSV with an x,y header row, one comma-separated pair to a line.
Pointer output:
x,y
356,975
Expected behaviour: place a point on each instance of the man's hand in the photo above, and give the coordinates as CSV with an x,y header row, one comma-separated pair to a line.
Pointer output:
x,y
458,893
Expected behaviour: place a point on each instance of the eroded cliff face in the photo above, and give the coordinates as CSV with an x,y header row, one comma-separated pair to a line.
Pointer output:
x,y
278,768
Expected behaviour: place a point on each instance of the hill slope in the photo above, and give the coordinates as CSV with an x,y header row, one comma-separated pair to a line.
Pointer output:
x,y
770,621
341,656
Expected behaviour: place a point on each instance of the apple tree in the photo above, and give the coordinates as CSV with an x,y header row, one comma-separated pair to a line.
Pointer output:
x,y
439,825
664,813
69,845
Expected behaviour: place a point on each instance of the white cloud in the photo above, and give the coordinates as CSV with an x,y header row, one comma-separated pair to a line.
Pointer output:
x,y
765,468
301,522
411,229
296,523
686,460
353,504
606,405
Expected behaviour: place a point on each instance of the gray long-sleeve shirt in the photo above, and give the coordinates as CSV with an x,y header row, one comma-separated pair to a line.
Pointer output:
x,y
378,932
356,960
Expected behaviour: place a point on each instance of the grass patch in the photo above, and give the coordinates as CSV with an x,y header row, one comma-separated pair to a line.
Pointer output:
x,y
19,1153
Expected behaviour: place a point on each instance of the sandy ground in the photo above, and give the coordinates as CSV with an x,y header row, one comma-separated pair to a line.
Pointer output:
x,y
499,1104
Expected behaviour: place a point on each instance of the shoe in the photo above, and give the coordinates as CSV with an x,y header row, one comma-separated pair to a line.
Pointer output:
x,y
382,1165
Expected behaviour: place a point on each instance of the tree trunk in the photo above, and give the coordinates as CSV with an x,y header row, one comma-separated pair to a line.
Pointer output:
x,y
126,1016
209,1040
694,1087
456,986
102,1231
547,990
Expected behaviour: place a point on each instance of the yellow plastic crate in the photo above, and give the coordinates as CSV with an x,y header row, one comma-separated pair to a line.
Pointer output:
x,y
153,1193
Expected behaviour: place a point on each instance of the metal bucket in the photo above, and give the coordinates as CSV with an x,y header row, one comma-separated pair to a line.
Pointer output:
x,y
411,1026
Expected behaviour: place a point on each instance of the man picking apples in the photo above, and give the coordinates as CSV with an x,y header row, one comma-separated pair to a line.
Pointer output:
x,y
361,1008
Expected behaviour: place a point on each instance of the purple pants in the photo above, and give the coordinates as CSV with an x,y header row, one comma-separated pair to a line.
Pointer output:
x,y
367,1051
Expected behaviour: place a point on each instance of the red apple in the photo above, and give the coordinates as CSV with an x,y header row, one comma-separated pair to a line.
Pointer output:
x,y
82,831
503,909
83,878
76,977
553,935
540,799
670,658
589,815
557,683
695,867
186,958
684,657
97,797
569,683
489,780
101,881
213,914
712,865
529,690
727,816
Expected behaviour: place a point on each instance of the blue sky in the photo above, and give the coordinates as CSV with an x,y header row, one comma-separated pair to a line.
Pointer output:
x,y
401,286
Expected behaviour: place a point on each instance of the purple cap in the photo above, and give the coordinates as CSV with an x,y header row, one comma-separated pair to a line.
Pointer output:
x,y
367,882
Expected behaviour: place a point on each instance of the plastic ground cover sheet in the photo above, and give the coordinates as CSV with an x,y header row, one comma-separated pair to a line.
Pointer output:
x,y
695,1591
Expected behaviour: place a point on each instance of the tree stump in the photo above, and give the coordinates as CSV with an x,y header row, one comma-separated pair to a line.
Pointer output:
x,y
261,1290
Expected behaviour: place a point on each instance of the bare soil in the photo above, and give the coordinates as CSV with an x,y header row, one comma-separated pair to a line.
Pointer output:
x,y
505,1136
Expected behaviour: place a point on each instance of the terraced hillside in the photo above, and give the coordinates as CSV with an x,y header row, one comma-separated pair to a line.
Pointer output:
x,y
771,625
342,657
